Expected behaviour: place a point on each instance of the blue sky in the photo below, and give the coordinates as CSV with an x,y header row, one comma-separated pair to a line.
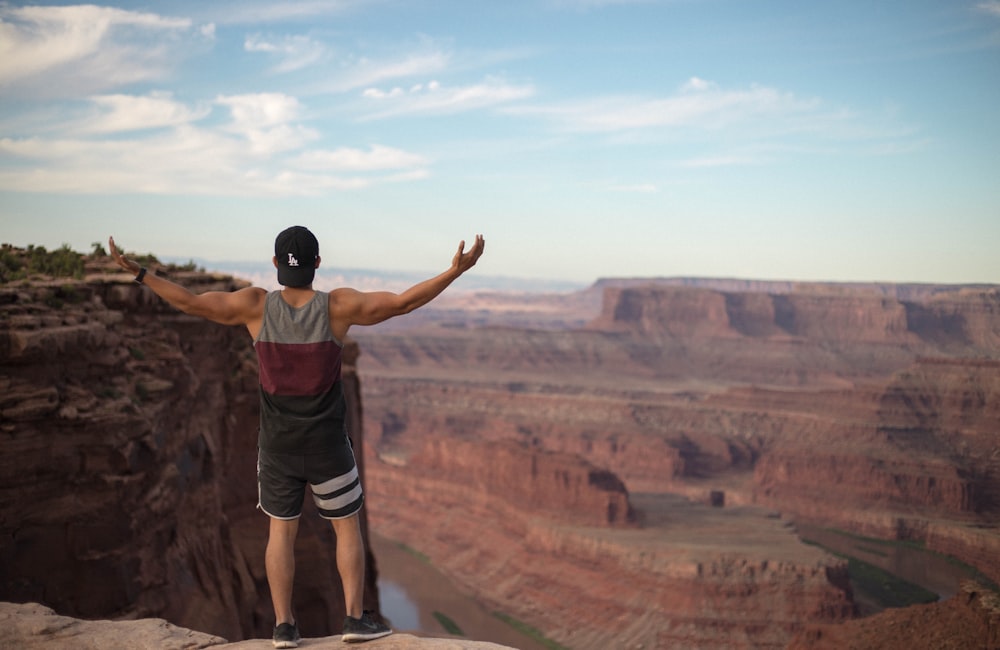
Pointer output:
x,y
845,141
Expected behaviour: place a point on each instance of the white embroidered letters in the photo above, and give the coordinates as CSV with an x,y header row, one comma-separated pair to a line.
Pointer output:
x,y
292,261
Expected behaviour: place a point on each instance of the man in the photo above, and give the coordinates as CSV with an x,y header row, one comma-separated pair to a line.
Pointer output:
x,y
298,335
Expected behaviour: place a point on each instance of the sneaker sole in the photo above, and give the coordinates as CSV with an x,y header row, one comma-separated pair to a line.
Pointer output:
x,y
358,637
286,644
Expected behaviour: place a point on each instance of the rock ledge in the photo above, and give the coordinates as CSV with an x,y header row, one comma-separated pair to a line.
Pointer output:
x,y
32,626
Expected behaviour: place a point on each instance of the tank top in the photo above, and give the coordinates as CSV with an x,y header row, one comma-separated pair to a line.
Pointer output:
x,y
302,405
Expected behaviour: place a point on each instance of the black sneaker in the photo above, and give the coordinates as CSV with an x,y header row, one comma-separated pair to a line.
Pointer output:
x,y
365,628
286,635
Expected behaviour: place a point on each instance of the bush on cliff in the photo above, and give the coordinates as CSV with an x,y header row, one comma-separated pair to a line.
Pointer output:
x,y
20,264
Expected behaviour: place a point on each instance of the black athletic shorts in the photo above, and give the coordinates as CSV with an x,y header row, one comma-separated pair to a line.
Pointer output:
x,y
332,477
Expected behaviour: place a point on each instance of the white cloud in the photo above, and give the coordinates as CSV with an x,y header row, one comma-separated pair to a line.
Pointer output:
x,y
435,98
719,161
261,109
378,157
594,4
694,84
375,93
260,148
364,72
266,121
129,113
992,7
243,12
57,51
636,188
295,52
701,104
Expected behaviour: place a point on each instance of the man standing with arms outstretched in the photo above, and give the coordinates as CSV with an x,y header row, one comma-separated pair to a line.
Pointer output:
x,y
298,334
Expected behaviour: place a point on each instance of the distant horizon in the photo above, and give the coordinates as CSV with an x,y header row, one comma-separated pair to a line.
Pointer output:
x,y
261,273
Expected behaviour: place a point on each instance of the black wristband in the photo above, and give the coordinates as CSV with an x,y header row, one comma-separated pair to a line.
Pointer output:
x,y
142,274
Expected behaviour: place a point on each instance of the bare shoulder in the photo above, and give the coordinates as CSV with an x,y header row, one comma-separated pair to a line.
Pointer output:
x,y
251,295
344,299
248,303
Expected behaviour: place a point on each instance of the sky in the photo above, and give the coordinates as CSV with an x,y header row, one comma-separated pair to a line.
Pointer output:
x,y
585,139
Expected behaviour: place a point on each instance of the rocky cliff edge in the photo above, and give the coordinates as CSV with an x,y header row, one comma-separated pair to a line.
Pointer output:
x,y
30,626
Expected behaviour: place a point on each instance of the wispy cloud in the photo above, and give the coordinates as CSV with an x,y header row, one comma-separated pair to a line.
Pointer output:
x,y
594,4
351,73
720,161
241,12
293,52
435,98
635,188
377,158
992,7
699,104
62,51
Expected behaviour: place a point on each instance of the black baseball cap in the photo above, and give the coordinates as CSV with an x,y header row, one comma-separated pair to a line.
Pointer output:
x,y
296,250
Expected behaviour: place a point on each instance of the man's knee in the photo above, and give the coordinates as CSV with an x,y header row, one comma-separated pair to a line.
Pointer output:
x,y
284,528
347,526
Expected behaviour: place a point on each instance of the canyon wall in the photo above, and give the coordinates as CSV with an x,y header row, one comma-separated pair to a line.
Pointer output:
x,y
870,408
127,478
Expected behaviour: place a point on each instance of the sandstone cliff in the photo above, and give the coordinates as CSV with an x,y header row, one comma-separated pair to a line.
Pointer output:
x,y
127,478
871,408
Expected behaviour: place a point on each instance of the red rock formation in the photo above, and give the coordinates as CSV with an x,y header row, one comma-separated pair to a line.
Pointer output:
x,y
831,313
557,485
127,472
969,620
868,408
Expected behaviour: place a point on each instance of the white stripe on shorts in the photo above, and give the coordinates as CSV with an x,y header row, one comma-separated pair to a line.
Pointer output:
x,y
338,502
336,483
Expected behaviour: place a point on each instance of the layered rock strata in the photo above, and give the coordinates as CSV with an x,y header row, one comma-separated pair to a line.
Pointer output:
x,y
127,472
868,408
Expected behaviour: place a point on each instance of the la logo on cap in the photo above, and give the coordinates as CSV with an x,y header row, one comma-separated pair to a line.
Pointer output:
x,y
292,261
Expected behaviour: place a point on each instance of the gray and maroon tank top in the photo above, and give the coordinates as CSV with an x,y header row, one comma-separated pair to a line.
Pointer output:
x,y
302,405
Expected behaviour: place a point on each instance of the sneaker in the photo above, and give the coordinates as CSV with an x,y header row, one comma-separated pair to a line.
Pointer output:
x,y
365,628
286,635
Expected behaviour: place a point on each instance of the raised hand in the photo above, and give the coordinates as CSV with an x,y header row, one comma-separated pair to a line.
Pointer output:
x,y
121,260
463,261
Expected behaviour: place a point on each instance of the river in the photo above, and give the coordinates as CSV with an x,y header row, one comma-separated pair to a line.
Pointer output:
x,y
934,572
414,597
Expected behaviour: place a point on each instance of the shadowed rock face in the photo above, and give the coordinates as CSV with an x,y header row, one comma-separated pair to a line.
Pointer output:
x,y
128,464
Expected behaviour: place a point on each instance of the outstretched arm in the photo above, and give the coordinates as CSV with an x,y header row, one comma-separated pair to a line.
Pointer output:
x,y
242,307
351,307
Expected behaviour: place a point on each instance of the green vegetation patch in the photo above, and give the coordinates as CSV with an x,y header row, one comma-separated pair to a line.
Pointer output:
x,y
529,631
973,572
449,625
415,553
887,589
883,587
36,260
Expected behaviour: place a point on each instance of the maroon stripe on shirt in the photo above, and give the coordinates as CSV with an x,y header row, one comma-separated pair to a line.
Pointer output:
x,y
298,368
